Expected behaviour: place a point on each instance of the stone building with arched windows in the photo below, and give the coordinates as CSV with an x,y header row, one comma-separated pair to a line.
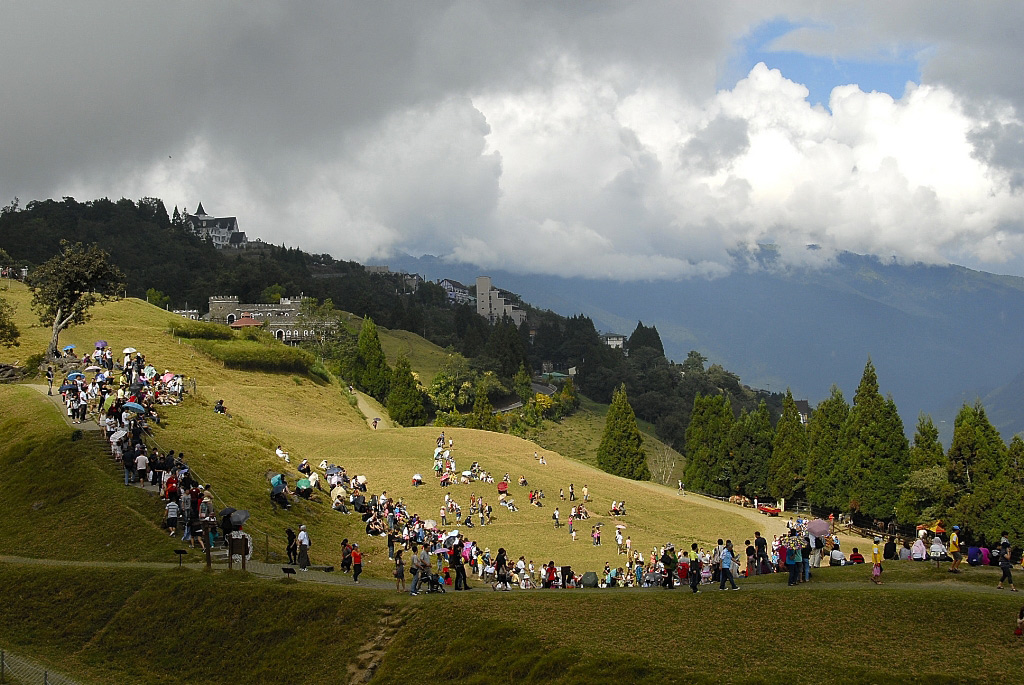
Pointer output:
x,y
280,318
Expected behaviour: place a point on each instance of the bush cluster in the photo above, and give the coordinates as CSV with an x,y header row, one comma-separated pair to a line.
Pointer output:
x,y
201,330
247,355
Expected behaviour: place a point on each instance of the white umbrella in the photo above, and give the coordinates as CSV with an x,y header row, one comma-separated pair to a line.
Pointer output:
x,y
467,474
361,480
118,435
430,524
417,476
93,368
621,526
446,453
437,452
129,350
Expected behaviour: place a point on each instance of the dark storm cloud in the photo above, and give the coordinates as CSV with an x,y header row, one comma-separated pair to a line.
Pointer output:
x,y
510,132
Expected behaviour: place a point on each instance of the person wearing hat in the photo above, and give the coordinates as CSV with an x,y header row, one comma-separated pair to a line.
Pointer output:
x,y
954,550
304,545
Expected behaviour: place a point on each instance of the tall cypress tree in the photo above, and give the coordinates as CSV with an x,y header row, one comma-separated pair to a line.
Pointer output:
x,y
875,452
927,450
405,400
789,452
707,435
750,447
373,374
977,452
482,416
621,450
823,447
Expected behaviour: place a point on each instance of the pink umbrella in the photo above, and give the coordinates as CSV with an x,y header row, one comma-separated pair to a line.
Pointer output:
x,y
166,378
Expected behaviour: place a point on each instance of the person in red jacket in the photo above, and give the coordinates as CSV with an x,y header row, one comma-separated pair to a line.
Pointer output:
x,y
357,562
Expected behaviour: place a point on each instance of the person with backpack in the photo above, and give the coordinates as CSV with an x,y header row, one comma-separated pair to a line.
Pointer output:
x,y
1005,562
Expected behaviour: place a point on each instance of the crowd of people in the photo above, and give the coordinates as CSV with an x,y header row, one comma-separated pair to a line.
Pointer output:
x,y
123,397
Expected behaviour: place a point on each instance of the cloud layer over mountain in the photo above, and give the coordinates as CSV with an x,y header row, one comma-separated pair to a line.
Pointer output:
x,y
587,138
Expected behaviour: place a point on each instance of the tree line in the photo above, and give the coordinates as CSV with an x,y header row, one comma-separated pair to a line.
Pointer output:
x,y
856,458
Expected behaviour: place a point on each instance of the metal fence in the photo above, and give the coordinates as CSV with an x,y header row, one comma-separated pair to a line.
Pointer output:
x,y
17,670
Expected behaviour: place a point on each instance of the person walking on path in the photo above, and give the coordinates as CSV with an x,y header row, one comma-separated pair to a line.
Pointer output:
x,y
357,562
399,572
572,493
455,561
1005,562
876,561
49,380
728,559
292,548
954,550
304,546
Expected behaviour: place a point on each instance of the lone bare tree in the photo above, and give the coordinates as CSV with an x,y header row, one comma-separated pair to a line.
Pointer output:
x,y
663,463
67,286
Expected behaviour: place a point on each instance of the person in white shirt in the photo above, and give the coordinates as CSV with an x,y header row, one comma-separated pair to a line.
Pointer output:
x,y
141,466
304,545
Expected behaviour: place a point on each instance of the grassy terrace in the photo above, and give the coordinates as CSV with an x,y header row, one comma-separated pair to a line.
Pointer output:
x,y
144,623
315,421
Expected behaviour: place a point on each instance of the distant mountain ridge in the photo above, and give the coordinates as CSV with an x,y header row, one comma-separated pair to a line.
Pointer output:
x,y
936,334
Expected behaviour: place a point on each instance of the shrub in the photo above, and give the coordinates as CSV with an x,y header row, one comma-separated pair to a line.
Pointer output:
x,y
252,356
187,328
33,363
318,371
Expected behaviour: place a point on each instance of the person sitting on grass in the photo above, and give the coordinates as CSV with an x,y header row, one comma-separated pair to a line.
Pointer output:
x,y
856,557
836,558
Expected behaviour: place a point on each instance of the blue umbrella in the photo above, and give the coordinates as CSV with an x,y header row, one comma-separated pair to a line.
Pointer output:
x,y
68,347
75,375
65,388
135,407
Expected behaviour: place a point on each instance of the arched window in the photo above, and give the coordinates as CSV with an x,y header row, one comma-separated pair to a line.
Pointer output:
x,y
280,334
231,319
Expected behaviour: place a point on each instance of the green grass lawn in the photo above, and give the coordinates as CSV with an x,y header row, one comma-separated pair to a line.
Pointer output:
x,y
66,499
186,626
578,436
316,422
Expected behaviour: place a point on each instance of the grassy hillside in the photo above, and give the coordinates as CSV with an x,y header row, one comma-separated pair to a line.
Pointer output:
x,y
317,422
144,623
578,436
65,499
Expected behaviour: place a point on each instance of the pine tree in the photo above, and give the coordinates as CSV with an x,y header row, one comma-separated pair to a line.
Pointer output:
x,y
523,385
788,466
373,374
707,462
977,453
823,431
875,454
644,336
482,417
621,450
750,448
405,400
927,450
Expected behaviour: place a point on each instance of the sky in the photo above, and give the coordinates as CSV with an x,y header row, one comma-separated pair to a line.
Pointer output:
x,y
629,141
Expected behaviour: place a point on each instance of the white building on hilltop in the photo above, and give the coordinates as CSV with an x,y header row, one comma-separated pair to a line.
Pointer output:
x,y
221,231
492,305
